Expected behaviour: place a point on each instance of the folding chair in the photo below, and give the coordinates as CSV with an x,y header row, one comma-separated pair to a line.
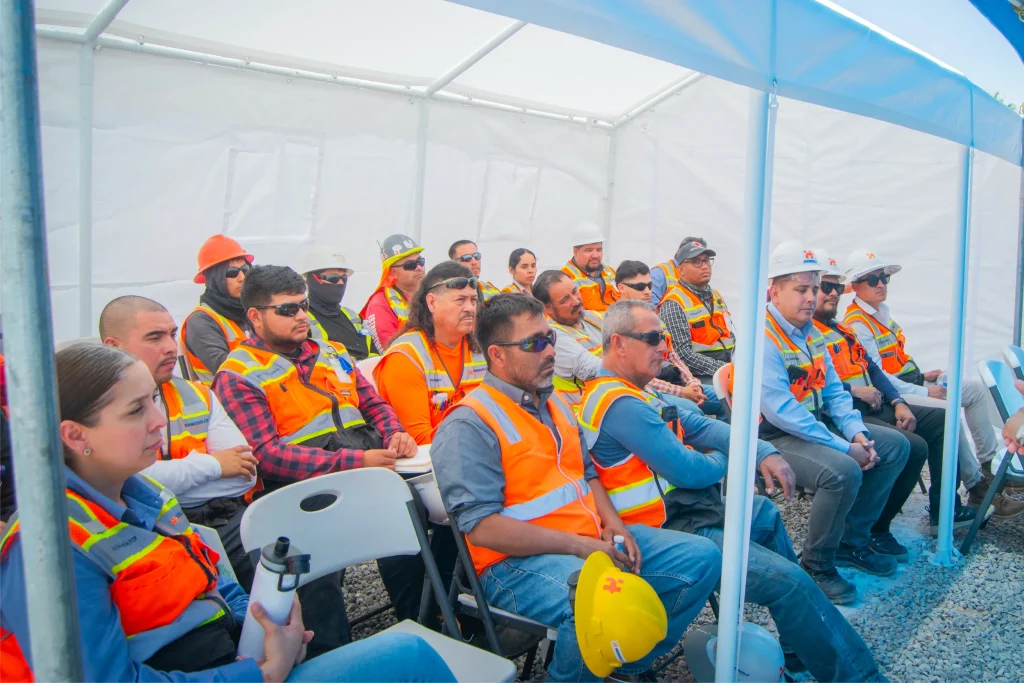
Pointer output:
x,y
1014,356
722,382
366,367
370,515
999,379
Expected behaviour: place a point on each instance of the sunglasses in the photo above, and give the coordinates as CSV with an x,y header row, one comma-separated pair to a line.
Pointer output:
x,y
638,286
700,263
873,280
413,265
649,338
332,279
234,271
457,283
533,344
832,287
288,310
466,258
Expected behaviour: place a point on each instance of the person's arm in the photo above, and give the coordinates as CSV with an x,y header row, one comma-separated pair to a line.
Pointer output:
x,y
839,403
382,320
780,407
205,339
675,320
867,340
248,408
184,474
234,595
684,371
105,654
658,285
404,386
573,361
704,434
880,381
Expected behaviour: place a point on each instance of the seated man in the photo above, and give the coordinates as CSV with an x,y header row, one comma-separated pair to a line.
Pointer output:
x,y
868,316
513,473
466,253
645,456
812,422
595,281
387,309
204,460
327,273
434,361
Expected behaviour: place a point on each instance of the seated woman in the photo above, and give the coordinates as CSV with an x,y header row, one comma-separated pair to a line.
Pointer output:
x,y
150,599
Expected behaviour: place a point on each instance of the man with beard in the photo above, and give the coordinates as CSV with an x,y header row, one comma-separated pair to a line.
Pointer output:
x,y
434,361
327,274
595,280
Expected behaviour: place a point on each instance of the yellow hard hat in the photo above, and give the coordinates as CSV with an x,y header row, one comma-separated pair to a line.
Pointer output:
x,y
619,616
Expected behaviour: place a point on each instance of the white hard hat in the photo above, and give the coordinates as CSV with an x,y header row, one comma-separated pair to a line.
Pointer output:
x,y
829,263
323,258
760,657
586,232
860,262
793,257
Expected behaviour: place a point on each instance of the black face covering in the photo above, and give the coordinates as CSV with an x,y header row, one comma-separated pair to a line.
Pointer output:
x,y
216,295
324,298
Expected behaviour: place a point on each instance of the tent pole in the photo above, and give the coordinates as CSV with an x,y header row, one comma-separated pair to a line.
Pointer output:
x,y
420,178
748,362
945,554
609,193
467,63
1018,311
38,467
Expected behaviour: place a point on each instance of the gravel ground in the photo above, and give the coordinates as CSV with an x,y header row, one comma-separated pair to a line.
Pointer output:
x,y
964,623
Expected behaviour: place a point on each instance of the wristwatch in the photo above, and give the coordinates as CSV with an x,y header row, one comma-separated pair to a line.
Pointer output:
x,y
897,401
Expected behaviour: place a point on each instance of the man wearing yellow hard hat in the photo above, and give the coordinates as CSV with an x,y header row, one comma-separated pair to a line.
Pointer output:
x,y
513,473
662,467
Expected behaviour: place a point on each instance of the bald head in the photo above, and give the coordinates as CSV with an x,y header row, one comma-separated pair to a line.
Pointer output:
x,y
144,328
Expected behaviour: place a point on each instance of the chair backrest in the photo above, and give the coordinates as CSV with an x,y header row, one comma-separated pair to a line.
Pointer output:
x,y
369,518
999,379
722,381
1014,355
366,367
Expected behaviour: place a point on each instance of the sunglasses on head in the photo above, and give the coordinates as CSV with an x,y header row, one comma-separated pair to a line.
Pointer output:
x,y
234,271
873,280
457,283
532,344
333,279
288,310
412,265
466,258
831,287
649,338
638,286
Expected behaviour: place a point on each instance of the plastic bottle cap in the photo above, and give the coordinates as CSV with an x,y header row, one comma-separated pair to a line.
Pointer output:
x,y
619,539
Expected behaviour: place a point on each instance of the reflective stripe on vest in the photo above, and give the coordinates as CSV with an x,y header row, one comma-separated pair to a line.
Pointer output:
x,y
317,331
709,331
848,356
487,290
399,306
188,417
590,291
514,288
544,478
233,334
668,268
571,388
890,340
806,388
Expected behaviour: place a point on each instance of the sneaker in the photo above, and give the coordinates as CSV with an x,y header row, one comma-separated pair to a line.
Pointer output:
x,y
886,544
963,516
866,560
837,589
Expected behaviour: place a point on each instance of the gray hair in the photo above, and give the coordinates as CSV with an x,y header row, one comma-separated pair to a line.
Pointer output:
x,y
620,319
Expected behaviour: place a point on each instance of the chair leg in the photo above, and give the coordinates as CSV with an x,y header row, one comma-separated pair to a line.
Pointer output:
x,y
713,601
920,482
528,663
979,519
451,626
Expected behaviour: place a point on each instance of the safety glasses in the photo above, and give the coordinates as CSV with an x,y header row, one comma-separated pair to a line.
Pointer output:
x,y
832,287
287,310
332,279
235,271
649,338
466,258
873,280
457,283
638,286
532,344
701,262
413,265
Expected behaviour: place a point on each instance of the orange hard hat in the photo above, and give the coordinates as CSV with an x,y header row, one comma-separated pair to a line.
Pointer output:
x,y
218,249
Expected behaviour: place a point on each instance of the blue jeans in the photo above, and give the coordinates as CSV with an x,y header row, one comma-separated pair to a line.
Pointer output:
x,y
383,657
712,404
809,625
682,403
682,568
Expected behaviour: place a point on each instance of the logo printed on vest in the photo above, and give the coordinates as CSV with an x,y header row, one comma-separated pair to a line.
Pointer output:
x,y
126,542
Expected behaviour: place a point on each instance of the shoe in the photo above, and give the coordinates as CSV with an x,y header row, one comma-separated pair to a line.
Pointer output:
x,y
963,516
837,589
886,544
866,560
1004,507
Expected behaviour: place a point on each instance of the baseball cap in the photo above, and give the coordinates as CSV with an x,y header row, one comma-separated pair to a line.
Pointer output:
x,y
692,248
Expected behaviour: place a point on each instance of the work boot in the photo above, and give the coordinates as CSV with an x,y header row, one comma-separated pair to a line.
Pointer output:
x,y
837,589
886,544
866,560
1003,507
963,516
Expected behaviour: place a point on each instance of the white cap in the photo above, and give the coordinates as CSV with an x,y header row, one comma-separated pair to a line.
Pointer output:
x,y
793,257
829,263
322,258
862,261
586,232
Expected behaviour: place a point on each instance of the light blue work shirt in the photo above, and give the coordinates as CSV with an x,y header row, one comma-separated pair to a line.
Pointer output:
x,y
658,285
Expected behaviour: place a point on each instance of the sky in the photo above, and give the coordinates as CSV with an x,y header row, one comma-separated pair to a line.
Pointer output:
x,y
954,32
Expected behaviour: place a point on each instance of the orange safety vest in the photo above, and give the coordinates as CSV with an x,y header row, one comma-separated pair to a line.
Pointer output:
x,y
163,582
590,291
232,333
807,382
416,347
571,389
634,489
890,340
544,483
849,357
188,416
487,291
514,288
709,330
669,270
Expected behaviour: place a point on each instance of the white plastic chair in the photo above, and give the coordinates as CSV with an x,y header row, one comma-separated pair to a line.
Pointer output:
x,y
366,367
721,381
1014,356
372,516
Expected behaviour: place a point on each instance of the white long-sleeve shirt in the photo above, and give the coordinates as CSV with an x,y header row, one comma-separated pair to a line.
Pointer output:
x,y
867,340
196,478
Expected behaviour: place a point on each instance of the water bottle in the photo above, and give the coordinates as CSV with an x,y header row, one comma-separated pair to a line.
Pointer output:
x,y
620,545
941,381
277,577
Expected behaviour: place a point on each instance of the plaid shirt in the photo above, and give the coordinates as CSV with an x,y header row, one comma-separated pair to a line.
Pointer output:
x,y
664,387
672,315
248,407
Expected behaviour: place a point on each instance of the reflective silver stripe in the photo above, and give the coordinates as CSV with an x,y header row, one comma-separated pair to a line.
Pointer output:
x,y
144,645
563,408
350,417
80,514
550,502
229,331
412,346
498,415
195,411
256,373
474,370
316,330
353,318
641,493
319,425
